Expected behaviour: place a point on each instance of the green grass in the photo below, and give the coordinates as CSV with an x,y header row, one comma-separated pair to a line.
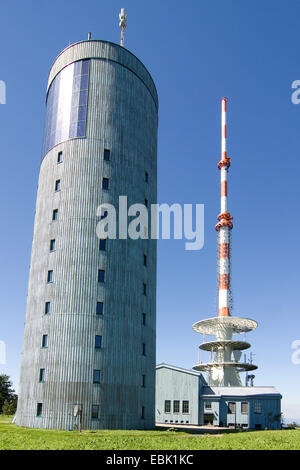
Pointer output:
x,y
13,437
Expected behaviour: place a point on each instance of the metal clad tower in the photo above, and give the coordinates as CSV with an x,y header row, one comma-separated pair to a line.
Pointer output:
x,y
90,324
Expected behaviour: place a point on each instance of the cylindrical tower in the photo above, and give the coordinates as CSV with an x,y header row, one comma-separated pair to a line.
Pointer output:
x,y
89,341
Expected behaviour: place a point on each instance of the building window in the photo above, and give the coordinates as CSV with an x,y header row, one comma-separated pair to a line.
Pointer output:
x,y
244,407
105,183
144,288
55,214
57,185
185,406
145,260
176,406
52,245
98,341
101,275
257,406
167,406
59,157
39,409
142,412
47,308
102,244
143,381
106,155
50,276
45,341
207,405
99,310
95,411
144,319
96,376
146,177
144,349
231,407
42,375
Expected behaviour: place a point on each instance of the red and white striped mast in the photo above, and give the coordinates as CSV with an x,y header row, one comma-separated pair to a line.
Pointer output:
x,y
224,225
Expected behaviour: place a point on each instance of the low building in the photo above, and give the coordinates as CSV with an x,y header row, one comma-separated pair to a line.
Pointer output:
x,y
183,397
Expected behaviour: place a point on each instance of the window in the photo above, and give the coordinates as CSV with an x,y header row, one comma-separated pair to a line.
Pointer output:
x,y
144,319
146,202
55,214
57,185
98,341
96,376
106,155
257,406
145,260
59,157
144,288
207,405
39,409
42,375
52,245
176,406
45,341
50,276
99,310
231,407
244,407
105,183
185,406
95,411
102,244
101,275
47,308
143,381
142,412
146,177
167,406
144,349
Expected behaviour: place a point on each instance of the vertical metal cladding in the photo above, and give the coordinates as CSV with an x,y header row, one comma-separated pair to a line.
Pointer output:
x,y
121,117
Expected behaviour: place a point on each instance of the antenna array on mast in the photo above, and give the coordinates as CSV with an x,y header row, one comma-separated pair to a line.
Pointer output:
x,y
122,24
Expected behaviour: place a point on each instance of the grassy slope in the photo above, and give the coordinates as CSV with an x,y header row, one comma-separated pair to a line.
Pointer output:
x,y
13,437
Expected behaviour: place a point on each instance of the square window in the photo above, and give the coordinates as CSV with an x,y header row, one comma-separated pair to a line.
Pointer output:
x,y
176,406
143,381
95,411
50,276
144,319
185,406
42,375
39,409
231,407
47,308
99,310
106,155
105,183
57,185
101,275
257,407
59,157
52,245
55,214
207,405
45,341
244,407
98,341
144,349
167,406
96,376
102,244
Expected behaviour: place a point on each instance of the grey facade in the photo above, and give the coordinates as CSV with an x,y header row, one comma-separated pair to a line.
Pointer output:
x,y
245,407
102,128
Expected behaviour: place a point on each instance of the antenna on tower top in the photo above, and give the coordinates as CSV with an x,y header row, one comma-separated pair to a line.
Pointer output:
x,y
122,24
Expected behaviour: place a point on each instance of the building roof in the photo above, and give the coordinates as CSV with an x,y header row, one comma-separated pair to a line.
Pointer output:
x,y
180,369
239,391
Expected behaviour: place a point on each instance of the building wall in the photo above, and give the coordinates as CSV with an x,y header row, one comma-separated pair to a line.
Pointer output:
x,y
122,117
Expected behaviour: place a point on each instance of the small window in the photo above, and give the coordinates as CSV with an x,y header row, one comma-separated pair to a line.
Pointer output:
x,y
145,260
47,308
102,244
106,155
185,406
144,349
144,288
207,405
96,376
101,275
52,245
55,214
146,177
98,341
244,407
59,157
176,406
42,375
99,310
95,411
50,276
45,341
167,406
105,183
39,409
142,412
144,319
231,407
143,381
57,185
146,202
257,406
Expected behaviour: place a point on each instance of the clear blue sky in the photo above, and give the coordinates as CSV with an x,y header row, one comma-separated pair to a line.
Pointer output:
x,y
197,52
